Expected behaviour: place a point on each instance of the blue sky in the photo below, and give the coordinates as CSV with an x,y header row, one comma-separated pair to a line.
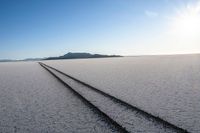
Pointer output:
x,y
42,28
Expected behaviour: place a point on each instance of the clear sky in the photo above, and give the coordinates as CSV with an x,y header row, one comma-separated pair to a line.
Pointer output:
x,y
42,28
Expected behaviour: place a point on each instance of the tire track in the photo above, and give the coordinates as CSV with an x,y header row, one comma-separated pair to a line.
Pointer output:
x,y
126,115
96,109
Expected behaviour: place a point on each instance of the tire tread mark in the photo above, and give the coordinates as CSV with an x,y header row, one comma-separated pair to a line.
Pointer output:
x,y
119,127
145,113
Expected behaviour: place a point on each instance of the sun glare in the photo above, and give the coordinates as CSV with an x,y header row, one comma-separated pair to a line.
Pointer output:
x,y
186,23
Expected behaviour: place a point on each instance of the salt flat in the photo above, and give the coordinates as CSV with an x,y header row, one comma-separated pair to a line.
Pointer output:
x,y
132,119
165,86
32,100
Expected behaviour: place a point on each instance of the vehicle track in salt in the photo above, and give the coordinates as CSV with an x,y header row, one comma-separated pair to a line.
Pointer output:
x,y
125,115
96,109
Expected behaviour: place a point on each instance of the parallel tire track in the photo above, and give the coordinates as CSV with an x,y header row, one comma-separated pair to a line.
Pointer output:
x,y
142,112
107,118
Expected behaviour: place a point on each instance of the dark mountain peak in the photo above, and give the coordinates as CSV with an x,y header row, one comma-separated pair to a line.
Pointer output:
x,y
80,55
70,54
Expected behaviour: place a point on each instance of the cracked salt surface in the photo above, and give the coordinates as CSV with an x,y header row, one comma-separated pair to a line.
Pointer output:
x,y
32,100
131,119
165,86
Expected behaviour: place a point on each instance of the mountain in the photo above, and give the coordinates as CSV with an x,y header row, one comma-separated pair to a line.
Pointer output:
x,y
6,60
81,56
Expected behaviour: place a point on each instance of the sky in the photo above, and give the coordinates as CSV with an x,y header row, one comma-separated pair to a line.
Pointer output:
x,y
43,28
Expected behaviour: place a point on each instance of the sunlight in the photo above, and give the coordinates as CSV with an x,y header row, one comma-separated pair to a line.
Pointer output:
x,y
186,23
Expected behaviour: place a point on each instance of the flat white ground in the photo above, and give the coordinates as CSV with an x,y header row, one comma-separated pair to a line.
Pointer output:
x,y
133,120
165,86
32,100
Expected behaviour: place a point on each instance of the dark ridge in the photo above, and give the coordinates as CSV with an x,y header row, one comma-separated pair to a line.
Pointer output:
x,y
145,113
119,127
80,56
6,60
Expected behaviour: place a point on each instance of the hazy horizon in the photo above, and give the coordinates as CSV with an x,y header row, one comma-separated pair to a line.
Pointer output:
x,y
38,29
102,57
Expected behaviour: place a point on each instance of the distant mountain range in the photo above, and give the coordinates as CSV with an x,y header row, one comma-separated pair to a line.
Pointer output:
x,y
69,55
81,56
6,60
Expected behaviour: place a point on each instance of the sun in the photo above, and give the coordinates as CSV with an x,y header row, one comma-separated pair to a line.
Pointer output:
x,y
186,23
